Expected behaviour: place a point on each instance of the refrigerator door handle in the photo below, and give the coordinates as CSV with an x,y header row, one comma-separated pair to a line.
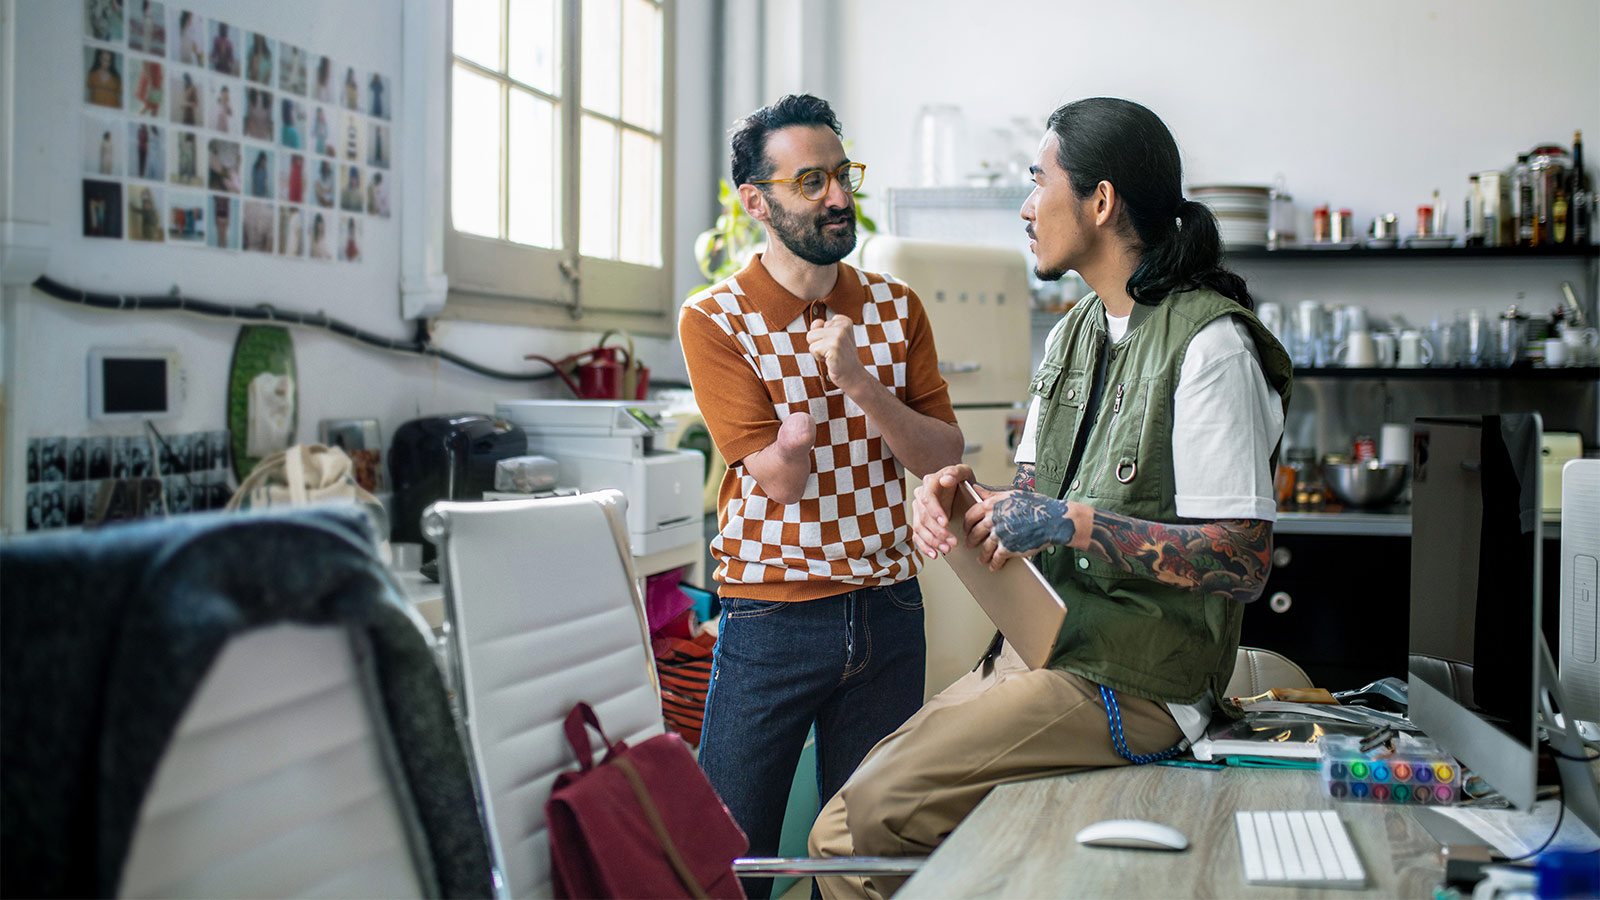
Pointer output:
x,y
949,368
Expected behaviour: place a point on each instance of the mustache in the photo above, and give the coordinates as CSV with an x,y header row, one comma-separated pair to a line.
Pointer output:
x,y
848,215
1031,235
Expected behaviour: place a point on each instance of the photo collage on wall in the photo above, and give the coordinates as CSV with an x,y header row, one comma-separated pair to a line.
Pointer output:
x,y
198,133
65,473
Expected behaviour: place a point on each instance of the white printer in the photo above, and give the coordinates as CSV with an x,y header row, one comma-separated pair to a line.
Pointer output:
x,y
612,444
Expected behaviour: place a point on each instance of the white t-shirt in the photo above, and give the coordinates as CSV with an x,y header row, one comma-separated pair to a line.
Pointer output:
x,y
1221,395
1226,419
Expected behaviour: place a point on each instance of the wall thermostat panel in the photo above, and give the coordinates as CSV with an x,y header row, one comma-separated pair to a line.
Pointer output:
x,y
134,383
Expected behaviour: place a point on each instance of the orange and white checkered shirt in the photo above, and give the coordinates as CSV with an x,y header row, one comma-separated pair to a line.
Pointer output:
x,y
745,344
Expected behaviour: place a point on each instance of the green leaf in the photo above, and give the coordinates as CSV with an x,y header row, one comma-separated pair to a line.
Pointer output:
x,y
703,252
866,221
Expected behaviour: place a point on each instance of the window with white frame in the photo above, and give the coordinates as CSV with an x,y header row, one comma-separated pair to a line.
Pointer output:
x,y
559,116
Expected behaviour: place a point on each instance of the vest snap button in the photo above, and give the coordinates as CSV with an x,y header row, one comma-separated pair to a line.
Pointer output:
x,y
1071,394
1074,484
1083,562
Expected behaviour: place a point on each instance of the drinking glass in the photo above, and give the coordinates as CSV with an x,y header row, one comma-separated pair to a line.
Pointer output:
x,y
1477,344
1307,332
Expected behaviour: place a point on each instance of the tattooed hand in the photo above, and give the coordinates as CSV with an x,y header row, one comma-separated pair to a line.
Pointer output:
x,y
1026,523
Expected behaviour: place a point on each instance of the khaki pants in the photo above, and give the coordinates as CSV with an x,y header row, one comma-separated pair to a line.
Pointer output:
x,y
999,724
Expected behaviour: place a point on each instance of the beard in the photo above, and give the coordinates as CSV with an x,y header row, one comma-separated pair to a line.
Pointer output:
x,y
805,237
1039,270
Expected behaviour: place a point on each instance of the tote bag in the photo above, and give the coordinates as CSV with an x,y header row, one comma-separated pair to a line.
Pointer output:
x,y
642,822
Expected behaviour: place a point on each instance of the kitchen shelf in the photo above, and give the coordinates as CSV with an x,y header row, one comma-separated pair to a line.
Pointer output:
x,y
1392,521
1301,253
1515,373
1395,522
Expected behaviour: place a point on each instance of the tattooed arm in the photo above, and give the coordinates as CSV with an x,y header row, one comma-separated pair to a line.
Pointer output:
x,y
1230,557
1024,478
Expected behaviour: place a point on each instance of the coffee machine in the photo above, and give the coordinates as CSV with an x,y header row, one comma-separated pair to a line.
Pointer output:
x,y
450,457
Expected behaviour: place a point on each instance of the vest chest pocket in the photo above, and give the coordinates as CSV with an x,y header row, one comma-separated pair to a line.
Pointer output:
x,y
1072,390
1131,421
1045,380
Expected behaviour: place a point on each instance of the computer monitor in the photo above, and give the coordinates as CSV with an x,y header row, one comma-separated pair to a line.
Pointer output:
x,y
1476,548
1475,589
1580,592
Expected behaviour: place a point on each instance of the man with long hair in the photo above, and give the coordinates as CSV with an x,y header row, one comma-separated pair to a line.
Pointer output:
x,y
820,386
1154,551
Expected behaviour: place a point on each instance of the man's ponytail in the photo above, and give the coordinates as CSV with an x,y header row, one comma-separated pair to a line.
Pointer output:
x,y
1188,256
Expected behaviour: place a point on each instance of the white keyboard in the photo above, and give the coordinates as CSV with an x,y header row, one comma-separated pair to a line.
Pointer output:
x,y
1298,846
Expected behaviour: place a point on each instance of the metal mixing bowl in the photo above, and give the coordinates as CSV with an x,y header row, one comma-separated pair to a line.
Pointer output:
x,y
1368,483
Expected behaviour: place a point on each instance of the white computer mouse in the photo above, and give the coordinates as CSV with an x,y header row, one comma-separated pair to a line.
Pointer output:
x,y
1135,833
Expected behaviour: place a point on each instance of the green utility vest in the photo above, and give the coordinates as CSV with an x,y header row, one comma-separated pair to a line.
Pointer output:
x,y
1129,633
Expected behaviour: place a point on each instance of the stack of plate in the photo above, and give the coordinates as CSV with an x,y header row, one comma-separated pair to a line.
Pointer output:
x,y
1241,211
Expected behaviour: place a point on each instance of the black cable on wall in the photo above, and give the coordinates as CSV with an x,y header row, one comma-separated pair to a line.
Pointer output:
x,y
266,312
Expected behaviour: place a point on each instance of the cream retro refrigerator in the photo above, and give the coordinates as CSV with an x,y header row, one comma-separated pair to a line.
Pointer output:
x,y
977,300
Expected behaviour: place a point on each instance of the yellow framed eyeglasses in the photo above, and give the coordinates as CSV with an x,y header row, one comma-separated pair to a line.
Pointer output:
x,y
814,184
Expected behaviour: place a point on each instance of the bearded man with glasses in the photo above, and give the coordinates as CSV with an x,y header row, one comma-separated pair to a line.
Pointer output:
x,y
820,386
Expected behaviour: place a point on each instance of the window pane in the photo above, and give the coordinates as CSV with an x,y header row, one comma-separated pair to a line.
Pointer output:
x,y
475,153
535,45
602,56
597,225
640,237
535,161
641,64
475,28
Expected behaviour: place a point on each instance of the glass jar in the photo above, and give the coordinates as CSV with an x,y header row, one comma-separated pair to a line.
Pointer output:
x,y
1280,220
1510,338
1548,168
939,145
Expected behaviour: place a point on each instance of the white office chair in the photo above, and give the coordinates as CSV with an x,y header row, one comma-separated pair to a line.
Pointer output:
x,y
543,611
1256,671
273,785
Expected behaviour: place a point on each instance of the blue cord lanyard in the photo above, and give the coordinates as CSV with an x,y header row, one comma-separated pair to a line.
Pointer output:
x,y
1114,718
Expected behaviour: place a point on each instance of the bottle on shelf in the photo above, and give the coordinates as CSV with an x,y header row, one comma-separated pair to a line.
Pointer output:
x,y
1522,202
1472,214
1580,203
1494,207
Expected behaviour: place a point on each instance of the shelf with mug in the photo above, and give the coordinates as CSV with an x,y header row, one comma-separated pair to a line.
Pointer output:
x,y
1302,252
1425,373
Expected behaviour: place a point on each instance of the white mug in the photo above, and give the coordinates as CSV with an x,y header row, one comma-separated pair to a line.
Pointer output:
x,y
1414,350
1356,351
1394,444
1383,346
1555,353
1580,344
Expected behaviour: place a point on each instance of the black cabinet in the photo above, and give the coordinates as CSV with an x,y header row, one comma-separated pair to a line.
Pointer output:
x,y
1336,604
1339,605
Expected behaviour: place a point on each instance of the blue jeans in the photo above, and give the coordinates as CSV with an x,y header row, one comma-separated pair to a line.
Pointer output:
x,y
852,664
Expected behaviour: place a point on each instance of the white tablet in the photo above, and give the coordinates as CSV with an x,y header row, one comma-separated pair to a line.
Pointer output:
x,y
134,383
1017,598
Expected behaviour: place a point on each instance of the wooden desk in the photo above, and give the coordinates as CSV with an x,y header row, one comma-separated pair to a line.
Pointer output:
x,y
1019,841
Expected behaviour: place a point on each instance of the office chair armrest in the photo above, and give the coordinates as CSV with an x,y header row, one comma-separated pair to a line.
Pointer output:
x,y
776,866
